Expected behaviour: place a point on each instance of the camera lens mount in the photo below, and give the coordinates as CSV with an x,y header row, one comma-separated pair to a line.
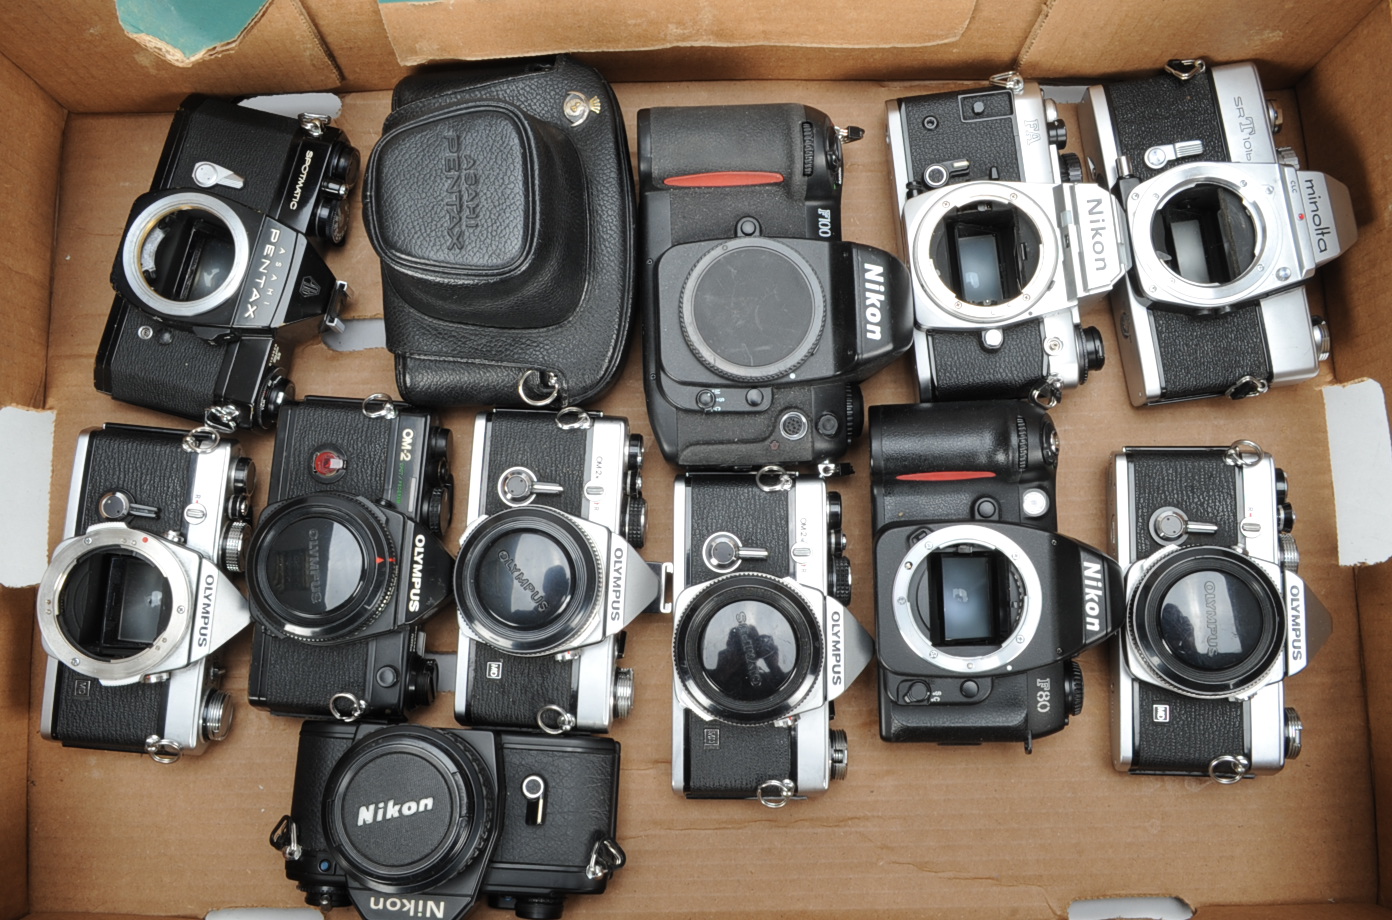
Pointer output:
x,y
185,253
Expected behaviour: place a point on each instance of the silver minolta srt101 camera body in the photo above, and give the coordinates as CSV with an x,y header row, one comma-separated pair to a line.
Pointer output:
x,y
1216,616
547,575
1224,227
1003,239
762,640
134,601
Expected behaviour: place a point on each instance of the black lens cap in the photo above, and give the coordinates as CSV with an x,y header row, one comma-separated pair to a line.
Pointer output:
x,y
526,580
322,567
408,807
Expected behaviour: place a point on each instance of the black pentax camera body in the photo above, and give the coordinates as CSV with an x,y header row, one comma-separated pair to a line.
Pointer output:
x,y
135,603
408,821
762,642
758,319
980,606
347,560
1003,240
1216,616
548,575
218,271
1225,228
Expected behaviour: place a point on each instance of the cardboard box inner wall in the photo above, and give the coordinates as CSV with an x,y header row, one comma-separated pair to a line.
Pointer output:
x,y
921,829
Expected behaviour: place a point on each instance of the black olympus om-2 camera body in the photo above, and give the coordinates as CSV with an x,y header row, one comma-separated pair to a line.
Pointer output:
x,y
218,274
548,573
424,822
981,606
135,604
758,319
347,561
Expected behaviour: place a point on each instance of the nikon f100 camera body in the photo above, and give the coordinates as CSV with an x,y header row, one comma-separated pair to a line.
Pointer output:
x,y
135,603
1004,240
218,273
762,640
347,560
548,573
1225,228
981,607
1216,616
759,320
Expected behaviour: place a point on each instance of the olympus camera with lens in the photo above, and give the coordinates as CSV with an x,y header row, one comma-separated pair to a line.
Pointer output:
x,y
409,821
548,574
1003,239
135,602
1224,228
347,561
218,273
763,642
759,320
981,606
1216,616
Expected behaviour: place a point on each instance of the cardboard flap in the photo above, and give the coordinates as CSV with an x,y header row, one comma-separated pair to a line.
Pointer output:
x,y
475,29
1078,38
79,52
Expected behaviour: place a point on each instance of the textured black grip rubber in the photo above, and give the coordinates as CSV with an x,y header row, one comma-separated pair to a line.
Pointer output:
x,y
943,127
367,445
295,678
735,504
1204,354
89,714
1199,482
169,370
965,369
582,789
533,440
1179,734
725,761
148,464
521,688
1010,710
1164,110
253,144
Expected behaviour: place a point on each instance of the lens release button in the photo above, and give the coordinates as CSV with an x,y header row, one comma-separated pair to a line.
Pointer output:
x,y
969,689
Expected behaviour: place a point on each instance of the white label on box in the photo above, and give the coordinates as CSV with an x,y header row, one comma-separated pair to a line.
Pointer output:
x,y
1360,458
26,457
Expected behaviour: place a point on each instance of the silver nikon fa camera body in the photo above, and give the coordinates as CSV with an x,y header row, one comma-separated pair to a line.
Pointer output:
x,y
548,574
1224,227
135,601
1216,616
1003,239
762,640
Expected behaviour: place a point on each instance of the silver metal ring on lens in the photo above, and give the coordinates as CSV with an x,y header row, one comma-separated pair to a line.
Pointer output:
x,y
912,630
145,221
148,548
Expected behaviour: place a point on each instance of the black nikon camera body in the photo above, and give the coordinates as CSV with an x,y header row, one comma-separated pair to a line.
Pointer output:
x,y
1003,240
1216,616
980,605
135,603
347,560
758,319
548,574
218,274
1225,228
423,822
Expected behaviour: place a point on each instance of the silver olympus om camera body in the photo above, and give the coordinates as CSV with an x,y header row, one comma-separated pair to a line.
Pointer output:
x,y
547,575
135,600
1003,239
1225,227
1216,617
762,640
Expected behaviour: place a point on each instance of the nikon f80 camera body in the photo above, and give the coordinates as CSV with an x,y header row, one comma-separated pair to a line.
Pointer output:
x,y
347,560
1004,240
758,319
217,273
548,574
763,642
1224,226
135,602
1216,616
423,822
981,606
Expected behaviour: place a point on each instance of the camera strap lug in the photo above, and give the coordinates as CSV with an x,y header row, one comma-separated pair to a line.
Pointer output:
x,y
774,478
548,385
1011,80
285,836
1048,393
379,405
573,418
775,793
201,440
1247,387
353,713
1243,453
1186,68
606,858
1228,768
222,419
564,721
162,750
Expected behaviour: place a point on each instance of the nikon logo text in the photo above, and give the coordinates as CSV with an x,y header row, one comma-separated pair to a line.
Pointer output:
x,y
461,192
1097,233
874,299
386,811
1092,596
417,567
410,907
205,610
299,183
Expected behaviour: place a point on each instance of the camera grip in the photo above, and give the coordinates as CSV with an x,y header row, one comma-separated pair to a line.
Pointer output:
x,y
522,687
1205,354
1177,734
962,368
89,714
727,761
147,363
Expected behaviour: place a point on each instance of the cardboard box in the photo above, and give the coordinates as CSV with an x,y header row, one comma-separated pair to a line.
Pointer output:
x,y
915,830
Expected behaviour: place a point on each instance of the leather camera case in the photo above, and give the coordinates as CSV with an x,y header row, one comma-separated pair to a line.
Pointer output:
x,y
500,200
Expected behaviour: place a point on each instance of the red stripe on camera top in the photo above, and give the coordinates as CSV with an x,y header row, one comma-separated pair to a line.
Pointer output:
x,y
947,476
724,179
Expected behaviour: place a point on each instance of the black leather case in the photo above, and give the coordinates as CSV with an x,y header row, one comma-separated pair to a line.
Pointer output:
x,y
505,230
